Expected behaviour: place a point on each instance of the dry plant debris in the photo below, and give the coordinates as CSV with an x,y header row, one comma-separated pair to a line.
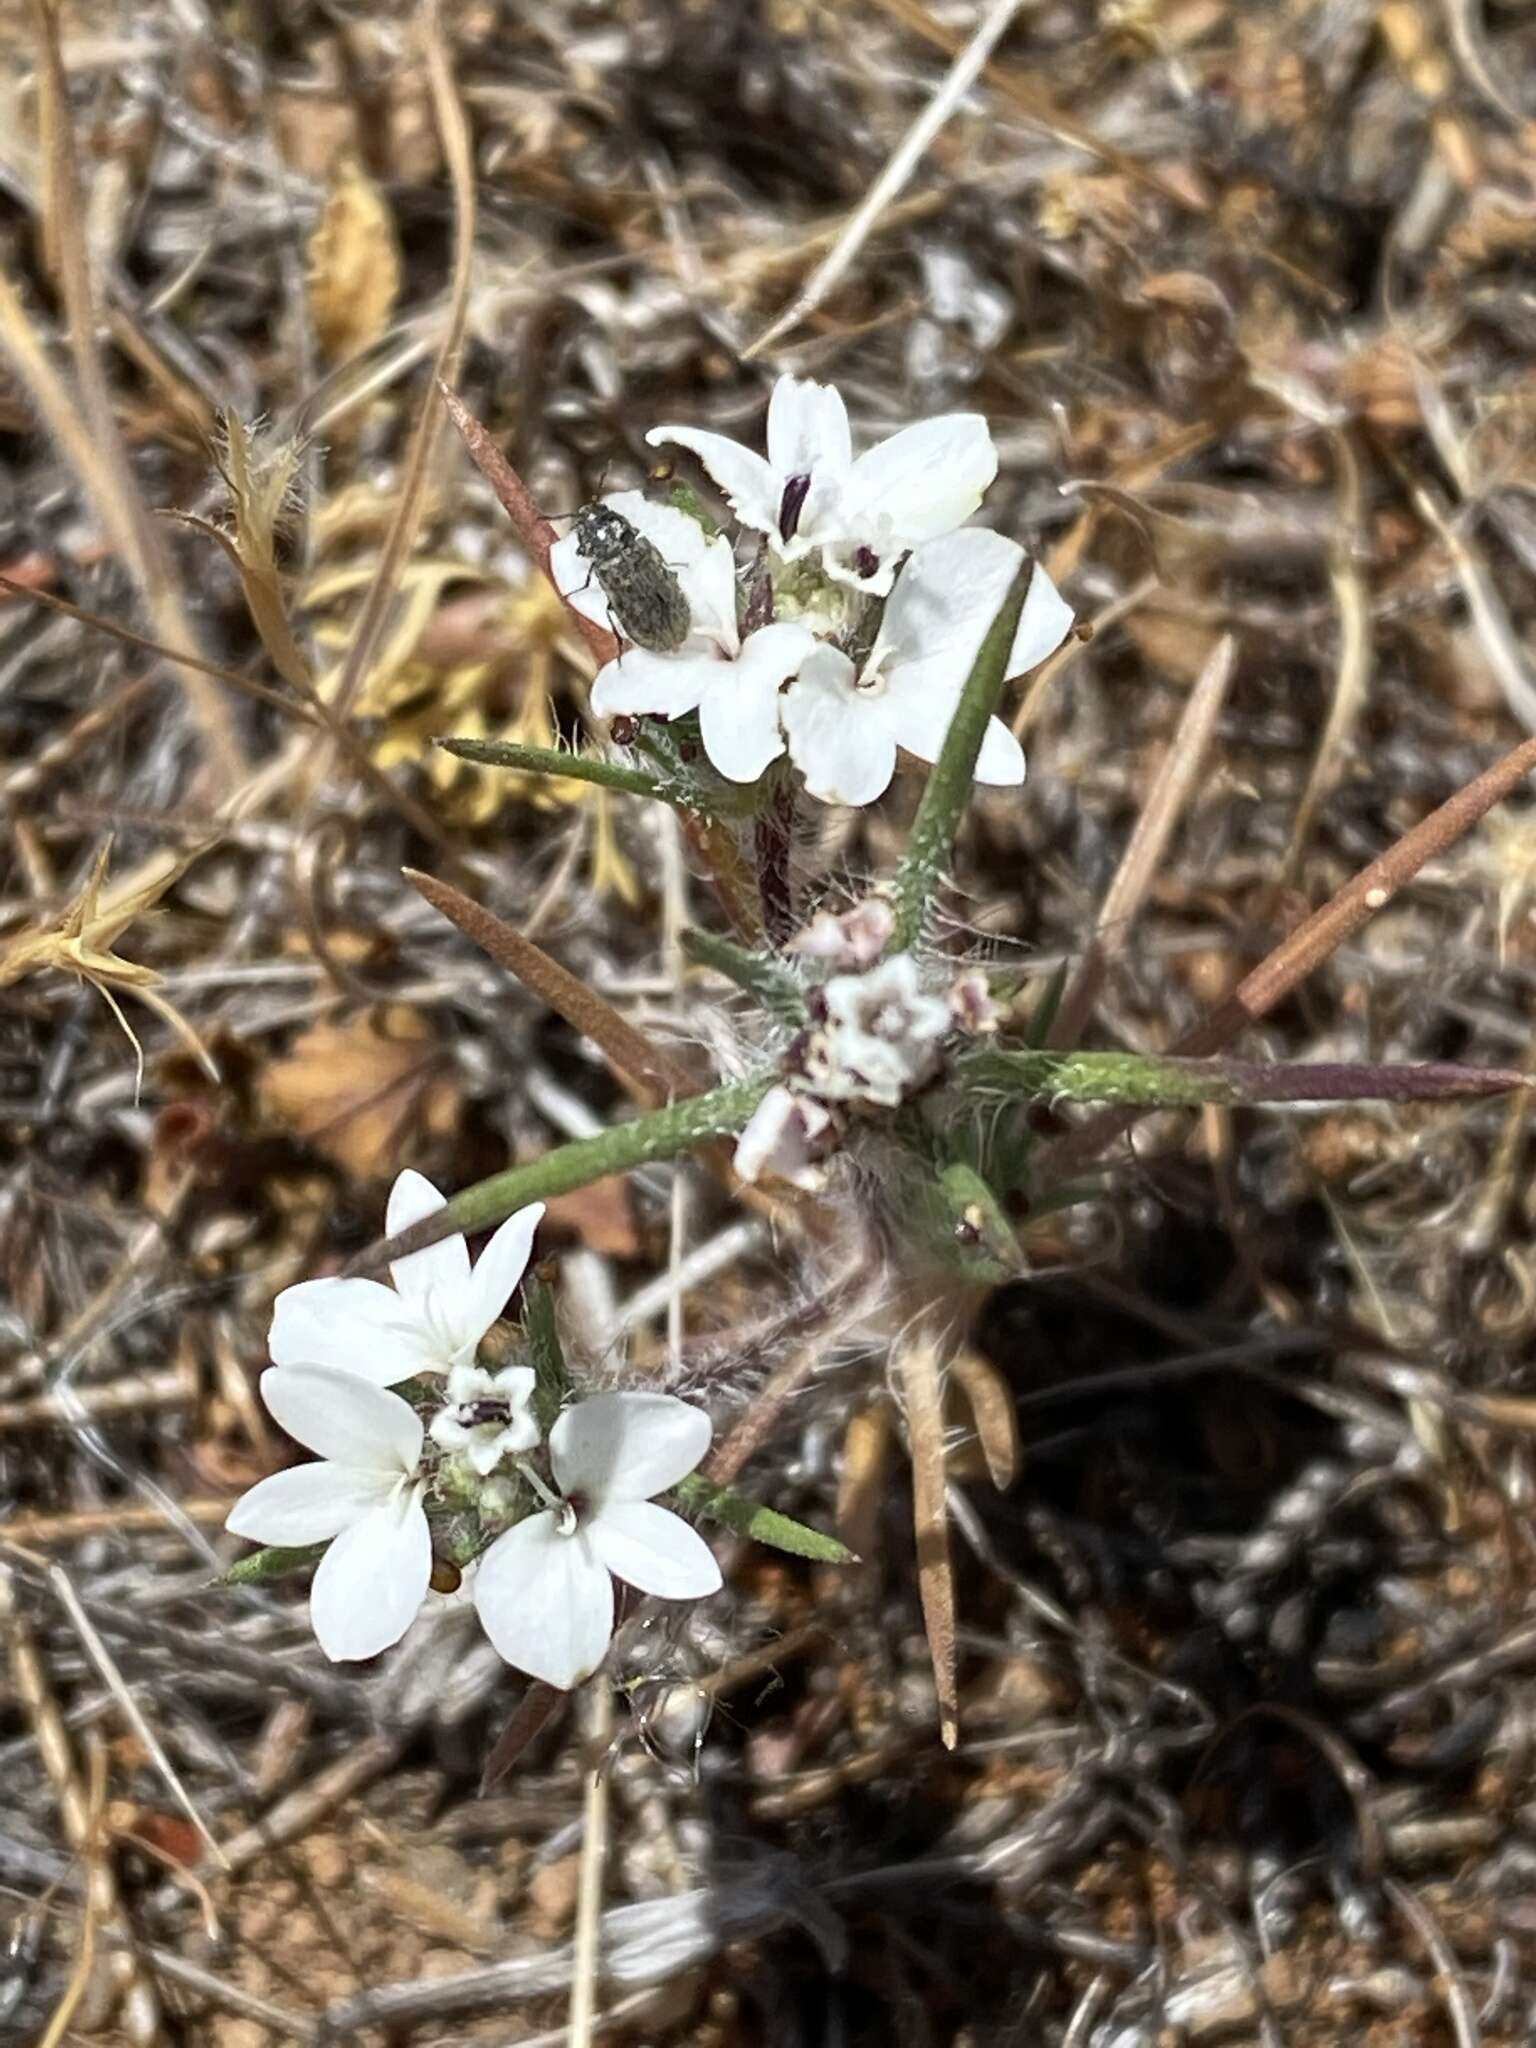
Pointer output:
x,y
1235,1476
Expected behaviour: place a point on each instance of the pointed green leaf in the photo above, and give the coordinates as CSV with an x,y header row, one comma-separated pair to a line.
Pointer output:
x,y
763,1525
931,843
273,1561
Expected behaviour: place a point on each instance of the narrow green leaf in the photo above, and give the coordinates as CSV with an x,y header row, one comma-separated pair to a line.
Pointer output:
x,y
542,1335
643,1141
767,981
931,843
1132,1080
763,1525
271,1562
555,761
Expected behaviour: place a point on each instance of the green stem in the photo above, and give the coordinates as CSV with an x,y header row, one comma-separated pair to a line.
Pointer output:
x,y
1131,1080
644,1141
931,843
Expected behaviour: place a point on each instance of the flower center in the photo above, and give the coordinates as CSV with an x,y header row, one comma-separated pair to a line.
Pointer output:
x,y
792,504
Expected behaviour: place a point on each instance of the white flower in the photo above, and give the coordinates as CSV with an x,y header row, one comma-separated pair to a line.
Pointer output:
x,y
785,1136
488,1416
431,1320
811,492
881,1036
843,726
363,1498
732,683
543,1590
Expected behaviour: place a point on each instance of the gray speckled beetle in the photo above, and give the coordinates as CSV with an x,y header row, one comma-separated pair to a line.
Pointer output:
x,y
644,596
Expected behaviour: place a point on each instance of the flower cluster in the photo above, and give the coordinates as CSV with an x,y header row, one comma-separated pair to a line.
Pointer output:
x,y
543,1588
864,613
876,1037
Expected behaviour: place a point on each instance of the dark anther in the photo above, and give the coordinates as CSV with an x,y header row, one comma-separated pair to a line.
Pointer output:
x,y
625,730
790,505
866,562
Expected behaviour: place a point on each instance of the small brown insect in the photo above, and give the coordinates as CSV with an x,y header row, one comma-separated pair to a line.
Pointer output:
x,y
644,596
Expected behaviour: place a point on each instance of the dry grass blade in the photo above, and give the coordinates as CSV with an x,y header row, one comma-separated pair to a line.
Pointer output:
x,y
139,2007
101,456
1352,676
991,1403
454,133
916,1358
128,1706
900,165
1299,955
654,1074
1171,784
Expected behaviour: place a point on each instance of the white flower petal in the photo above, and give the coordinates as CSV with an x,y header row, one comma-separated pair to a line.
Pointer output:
x,y
837,736
307,1503
663,685
924,481
441,1268
497,1271
920,724
655,1550
1044,623
369,1586
746,480
626,1446
739,725
945,599
356,1326
344,1418
546,1601
807,428
739,712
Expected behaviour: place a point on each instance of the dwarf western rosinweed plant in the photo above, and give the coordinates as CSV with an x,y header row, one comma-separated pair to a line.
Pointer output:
x,y
850,616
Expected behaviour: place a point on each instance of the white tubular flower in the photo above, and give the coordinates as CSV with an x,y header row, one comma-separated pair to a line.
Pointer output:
x,y
488,1416
810,492
785,1137
732,683
431,1320
844,726
543,1590
363,1498
881,1037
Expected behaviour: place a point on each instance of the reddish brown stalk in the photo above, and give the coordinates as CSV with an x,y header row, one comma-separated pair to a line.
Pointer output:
x,y
535,532
1306,949
654,1075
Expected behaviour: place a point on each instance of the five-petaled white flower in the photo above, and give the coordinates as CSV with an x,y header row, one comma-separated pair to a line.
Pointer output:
x,y
488,1416
733,683
543,1590
431,1320
881,1035
843,725
364,1499
864,512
